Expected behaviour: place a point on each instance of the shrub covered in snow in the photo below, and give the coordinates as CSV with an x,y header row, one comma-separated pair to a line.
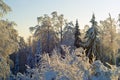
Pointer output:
x,y
71,68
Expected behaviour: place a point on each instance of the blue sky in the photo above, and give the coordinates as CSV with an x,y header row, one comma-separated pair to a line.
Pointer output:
x,y
25,12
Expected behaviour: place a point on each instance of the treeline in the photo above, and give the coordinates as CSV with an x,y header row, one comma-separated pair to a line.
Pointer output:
x,y
53,31
100,41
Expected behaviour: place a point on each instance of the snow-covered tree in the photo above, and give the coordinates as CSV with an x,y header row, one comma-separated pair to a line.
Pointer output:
x,y
48,31
109,45
38,53
4,8
8,45
8,41
30,57
68,34
92,40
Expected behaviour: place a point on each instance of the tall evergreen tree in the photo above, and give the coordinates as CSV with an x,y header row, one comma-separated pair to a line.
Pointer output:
x,y
77,34
92,44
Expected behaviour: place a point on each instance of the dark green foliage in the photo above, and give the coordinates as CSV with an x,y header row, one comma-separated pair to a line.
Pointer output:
x,y
77,34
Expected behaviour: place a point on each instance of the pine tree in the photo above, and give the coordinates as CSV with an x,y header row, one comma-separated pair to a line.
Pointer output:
x,y
77,34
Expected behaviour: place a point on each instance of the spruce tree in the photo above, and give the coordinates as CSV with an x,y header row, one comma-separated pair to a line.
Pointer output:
x,y
92,44
77,34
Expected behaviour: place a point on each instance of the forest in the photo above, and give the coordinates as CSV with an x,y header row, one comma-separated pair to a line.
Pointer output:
x,y
59,50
